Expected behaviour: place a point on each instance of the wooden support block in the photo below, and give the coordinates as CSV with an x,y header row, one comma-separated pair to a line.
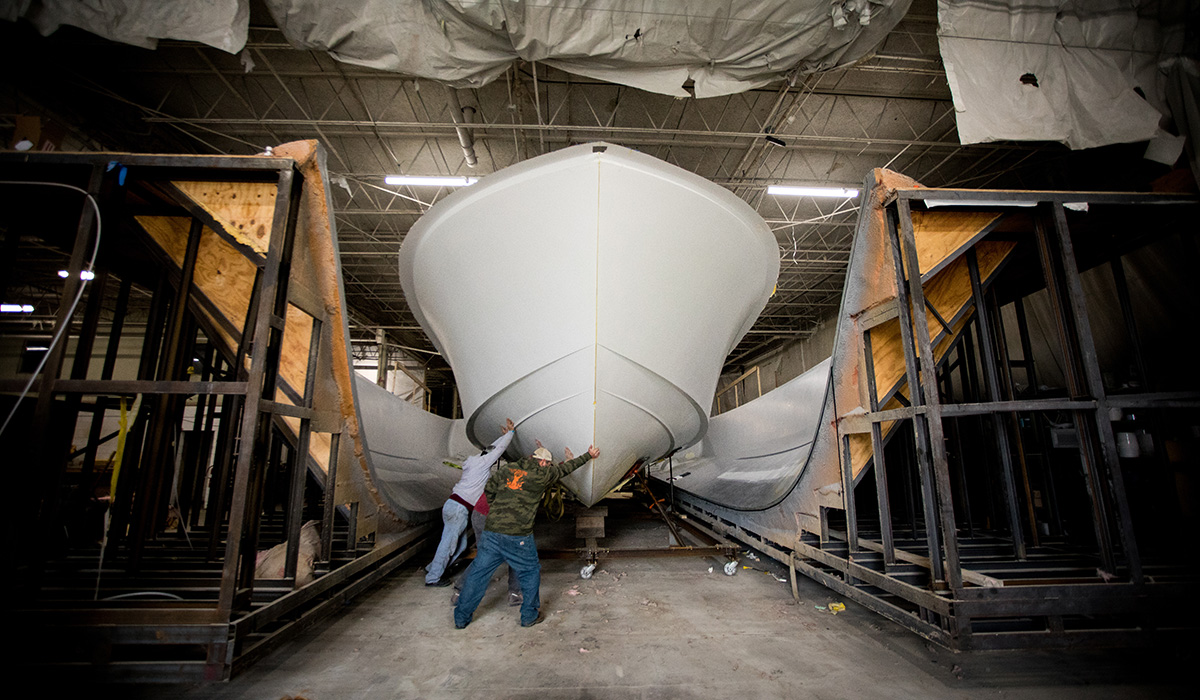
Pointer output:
x,y
590,523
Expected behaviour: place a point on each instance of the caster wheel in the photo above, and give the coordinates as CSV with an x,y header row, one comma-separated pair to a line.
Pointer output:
x,y
731,568
586,572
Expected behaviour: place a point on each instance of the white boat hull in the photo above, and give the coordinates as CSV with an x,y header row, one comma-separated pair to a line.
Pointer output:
x,y
591,295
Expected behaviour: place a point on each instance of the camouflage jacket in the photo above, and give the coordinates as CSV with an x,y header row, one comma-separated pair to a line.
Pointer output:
x,y
513,492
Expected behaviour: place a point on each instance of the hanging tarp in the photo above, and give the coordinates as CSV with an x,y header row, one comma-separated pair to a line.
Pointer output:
x,y
1084,74
655,45
222,24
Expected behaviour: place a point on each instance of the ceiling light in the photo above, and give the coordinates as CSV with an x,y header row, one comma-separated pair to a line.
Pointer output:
x,y
83,274
775,141
64,274
36,348
811,191
421,180
16,308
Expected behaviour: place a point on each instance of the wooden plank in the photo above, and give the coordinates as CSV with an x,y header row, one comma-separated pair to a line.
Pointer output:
x,y
968,575
293,360
244,209
945,234
948,291
223,275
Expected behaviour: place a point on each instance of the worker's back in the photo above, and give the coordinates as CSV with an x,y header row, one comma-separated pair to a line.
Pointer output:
x,y
513,492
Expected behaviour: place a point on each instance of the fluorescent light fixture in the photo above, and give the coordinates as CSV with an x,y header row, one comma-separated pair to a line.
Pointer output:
x,y
16,308
421,180
36,348
790,191
83,274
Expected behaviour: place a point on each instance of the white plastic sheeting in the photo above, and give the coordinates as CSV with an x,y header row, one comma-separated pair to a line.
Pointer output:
x,y
1057,70
1183,95
655,45
222,24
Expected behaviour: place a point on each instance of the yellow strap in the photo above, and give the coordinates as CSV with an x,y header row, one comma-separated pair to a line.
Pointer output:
x,y
116,458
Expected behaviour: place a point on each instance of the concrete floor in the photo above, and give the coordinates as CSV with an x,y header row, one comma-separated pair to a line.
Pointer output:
x,y
659,628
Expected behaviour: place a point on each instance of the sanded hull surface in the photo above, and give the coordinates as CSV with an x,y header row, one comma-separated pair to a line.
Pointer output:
x,y
591,295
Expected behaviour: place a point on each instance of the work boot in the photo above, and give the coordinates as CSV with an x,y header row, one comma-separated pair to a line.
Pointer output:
x,y
515,599
535,620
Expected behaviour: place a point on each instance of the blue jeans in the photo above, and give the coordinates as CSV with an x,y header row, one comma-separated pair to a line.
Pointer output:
x,y
520,551
454,539
478,520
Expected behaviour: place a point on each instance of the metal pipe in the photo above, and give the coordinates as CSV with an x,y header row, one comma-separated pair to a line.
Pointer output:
x,y
466,137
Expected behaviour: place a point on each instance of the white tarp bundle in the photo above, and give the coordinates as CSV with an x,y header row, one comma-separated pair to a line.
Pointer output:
x,y
222,24
1059,70
656,45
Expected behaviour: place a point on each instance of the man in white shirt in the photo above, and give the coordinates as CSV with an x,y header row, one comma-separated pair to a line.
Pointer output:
x,y
456,512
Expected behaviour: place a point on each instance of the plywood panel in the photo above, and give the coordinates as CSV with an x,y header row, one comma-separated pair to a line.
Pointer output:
x,y
223,275
244,209
940,235
293,359
860,443
948,292
860,446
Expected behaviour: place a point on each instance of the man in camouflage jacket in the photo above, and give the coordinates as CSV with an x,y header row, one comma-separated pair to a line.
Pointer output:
x,y
513,494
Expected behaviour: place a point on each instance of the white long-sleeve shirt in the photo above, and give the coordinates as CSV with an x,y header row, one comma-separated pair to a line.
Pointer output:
x,y
477,469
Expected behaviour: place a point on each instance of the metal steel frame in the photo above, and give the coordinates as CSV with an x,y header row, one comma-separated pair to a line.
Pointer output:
x,y
1003,585
206,597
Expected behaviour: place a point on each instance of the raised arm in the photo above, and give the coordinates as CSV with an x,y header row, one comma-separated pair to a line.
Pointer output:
x,y
501,443
563,468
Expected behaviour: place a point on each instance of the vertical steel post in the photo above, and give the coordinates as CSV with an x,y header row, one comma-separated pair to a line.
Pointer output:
x,y
330,499
158,463
46,447
1095,386
1076,386
964,358
1007,392
991,375
300,461
122,505
922,381
878,462
848,498
262,377
932,418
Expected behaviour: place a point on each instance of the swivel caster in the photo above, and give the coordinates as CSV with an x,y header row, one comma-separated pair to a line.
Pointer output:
x,y
731,567
586,572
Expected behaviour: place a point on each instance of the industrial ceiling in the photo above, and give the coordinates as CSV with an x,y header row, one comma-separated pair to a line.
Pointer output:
x,y
891,109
